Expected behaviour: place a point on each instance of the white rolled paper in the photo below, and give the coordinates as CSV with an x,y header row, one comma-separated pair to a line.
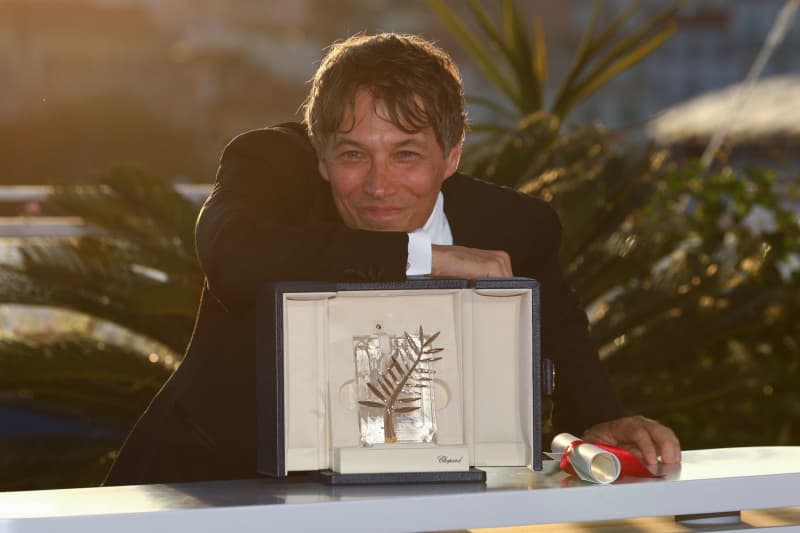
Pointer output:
x,y
590,462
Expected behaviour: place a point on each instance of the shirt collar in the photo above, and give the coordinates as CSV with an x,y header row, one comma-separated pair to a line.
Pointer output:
x,y
437,226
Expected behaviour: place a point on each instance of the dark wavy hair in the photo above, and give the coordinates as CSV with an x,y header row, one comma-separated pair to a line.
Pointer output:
x,y
417,81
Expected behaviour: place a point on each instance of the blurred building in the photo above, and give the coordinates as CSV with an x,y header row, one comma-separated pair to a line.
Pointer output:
x,y
203,70
56,51
179,57
715,45
769,116
64,47
763,132
94,83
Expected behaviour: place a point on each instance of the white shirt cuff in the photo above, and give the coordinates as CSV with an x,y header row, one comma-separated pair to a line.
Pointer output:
x,y
419,253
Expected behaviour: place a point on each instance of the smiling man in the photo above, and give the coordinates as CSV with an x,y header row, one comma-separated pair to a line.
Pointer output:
x,y
367,190
383,178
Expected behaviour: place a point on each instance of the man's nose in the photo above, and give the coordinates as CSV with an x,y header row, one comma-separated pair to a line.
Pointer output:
x,y
377,183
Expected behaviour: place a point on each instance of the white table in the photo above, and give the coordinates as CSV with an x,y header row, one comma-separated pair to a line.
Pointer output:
x,y
707,481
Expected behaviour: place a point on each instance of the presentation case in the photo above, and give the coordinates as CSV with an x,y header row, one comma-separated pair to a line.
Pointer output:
x,y
482,375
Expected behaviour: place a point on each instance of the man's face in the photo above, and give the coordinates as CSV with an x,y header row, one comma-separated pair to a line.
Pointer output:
x,y
382,178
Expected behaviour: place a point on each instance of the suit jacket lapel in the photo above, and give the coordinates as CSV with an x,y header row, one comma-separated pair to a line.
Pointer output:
x,y
462,216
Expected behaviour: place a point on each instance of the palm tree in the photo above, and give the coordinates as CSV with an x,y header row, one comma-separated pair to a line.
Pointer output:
x,y
133,275
683,291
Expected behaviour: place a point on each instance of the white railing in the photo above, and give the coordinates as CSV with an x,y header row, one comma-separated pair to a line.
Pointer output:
x,y
45,226
195,192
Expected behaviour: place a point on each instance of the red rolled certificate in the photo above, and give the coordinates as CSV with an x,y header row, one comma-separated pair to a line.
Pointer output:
x,y
595,462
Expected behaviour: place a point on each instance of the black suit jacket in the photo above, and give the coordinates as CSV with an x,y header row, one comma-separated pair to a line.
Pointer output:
x,y
271,217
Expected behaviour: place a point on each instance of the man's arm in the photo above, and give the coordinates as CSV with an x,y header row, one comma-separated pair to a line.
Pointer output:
x,y
584,400
269,219
583,395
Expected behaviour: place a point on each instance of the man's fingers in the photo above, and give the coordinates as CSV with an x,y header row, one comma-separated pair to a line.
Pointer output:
x,y
645,437
599,433
507,262
502,264
469,263
634,450
669,448
663,438
642,439
496,263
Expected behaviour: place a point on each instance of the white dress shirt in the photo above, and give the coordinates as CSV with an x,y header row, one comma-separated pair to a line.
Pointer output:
x,y
435,231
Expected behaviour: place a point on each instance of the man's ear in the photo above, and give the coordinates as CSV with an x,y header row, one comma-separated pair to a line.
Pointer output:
x,y
452,160
323,170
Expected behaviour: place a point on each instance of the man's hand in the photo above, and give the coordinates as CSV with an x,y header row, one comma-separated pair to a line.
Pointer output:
x,y
469,263
646,438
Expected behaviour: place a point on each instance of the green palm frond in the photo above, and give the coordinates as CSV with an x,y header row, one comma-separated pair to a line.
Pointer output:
x,y
691,313
71,376
604,65
601,55
97,388
477,50
520,73
136,267
149,213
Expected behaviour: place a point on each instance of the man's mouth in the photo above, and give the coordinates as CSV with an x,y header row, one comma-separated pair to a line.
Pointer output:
x,y
380,212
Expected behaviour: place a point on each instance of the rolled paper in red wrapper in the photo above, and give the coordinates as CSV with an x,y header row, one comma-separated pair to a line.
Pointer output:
x,y
595,462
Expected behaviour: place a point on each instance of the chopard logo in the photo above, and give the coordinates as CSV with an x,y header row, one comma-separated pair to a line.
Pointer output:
x,y
443,459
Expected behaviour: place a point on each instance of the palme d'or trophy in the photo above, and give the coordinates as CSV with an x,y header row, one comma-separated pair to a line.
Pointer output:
x,y
434,364
396,387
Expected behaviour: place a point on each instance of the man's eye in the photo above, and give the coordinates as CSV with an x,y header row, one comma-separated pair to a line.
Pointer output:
x,y
406,155
351,155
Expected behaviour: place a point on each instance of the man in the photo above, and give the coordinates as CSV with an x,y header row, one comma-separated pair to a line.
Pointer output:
x,y
372,195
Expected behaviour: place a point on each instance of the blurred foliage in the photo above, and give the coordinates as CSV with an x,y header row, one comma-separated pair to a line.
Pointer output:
x,y
55,461
136,268
97,390
689,279
502,150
